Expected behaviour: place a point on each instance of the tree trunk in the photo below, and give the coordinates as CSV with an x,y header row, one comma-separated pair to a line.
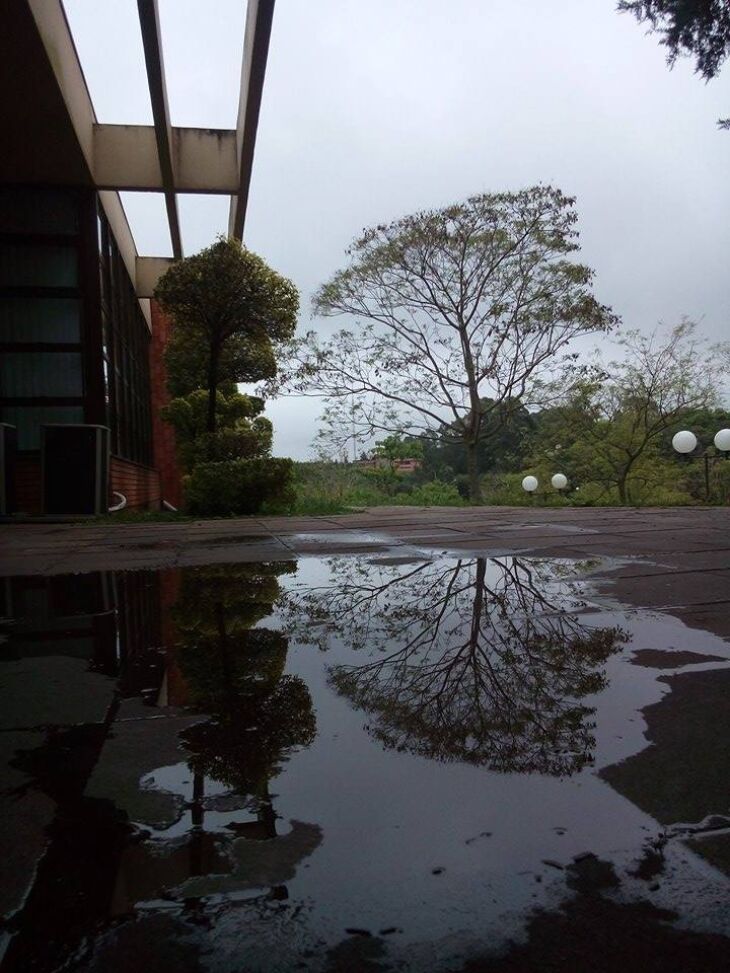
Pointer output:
x,y
624,493
212,386
472,469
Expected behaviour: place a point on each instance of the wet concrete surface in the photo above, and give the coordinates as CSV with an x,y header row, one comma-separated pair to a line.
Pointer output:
x,y
374,751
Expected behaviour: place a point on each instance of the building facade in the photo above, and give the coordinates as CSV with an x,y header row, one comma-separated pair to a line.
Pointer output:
x,y
75,347
81,340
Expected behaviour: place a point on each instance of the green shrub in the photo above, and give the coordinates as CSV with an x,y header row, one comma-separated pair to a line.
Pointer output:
x,y
433,494
505,490
239,487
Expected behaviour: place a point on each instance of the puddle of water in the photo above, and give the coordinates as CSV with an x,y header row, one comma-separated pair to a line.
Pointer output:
x,y
297,758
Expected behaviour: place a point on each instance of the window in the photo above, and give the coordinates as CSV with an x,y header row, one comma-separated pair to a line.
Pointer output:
x,y
70,347
125,344
41,351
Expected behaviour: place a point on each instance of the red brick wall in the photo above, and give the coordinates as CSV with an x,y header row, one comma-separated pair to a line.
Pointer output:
x,y
139,484
163,435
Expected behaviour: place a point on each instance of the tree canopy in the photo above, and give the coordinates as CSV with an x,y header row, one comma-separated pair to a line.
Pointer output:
x,y
242,432
617,420
697,28
230,311
456,312
700,28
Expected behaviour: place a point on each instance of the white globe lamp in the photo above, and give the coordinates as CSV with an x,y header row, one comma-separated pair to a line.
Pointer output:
x,y
722,440
684,441
529,484
559,481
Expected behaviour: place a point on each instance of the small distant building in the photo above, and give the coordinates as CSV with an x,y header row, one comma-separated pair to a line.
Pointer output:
x,y
397,465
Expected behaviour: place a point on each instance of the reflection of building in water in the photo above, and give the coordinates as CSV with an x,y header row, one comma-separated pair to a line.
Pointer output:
x,y
109,622
66,615
84,653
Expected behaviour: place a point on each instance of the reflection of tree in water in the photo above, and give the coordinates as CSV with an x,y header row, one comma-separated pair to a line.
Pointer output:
x,y
235,673
473,660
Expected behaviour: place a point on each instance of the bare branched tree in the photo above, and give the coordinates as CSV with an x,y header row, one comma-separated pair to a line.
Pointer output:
x,y
459,313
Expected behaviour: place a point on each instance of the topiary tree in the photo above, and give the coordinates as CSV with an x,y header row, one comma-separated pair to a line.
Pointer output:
x,y
230,313
241,433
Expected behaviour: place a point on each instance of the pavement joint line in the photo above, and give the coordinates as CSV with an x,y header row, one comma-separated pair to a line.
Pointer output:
x,y
669,572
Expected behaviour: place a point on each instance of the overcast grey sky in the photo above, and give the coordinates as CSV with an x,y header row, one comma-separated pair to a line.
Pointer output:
x,y
376,108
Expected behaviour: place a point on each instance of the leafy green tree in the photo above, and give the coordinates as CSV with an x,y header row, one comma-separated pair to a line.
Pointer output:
x,y
394,448
473,303
505,431
618,420
230,313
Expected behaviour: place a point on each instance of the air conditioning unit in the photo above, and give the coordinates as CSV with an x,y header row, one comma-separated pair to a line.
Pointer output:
x,y
75,469
8,451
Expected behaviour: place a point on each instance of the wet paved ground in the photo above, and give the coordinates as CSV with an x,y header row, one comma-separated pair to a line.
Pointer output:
x,y
429,740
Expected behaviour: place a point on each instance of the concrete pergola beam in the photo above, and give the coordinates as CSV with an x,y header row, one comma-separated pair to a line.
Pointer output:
x,y
158,158
259,17
148,271
149,21
203,160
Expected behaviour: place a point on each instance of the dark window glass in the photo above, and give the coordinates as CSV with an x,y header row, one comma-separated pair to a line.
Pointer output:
x,y
34,374
126,340
38,265
53,320
38,211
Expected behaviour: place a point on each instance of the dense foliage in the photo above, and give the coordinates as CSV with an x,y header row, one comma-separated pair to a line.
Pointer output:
x,y
239,486
241,431
695,28
231,314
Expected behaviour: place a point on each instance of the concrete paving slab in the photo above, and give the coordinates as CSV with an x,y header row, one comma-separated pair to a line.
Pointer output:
x,y
26,814
133,749
52,690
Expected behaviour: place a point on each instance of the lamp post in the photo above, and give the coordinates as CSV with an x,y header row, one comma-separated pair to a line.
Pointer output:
x,y
685,442
559,481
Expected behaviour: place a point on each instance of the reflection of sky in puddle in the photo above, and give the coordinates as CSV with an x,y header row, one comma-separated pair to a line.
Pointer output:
x,y
177,779
401,742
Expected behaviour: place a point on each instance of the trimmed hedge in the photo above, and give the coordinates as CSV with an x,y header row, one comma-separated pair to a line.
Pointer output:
x,y
238,486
